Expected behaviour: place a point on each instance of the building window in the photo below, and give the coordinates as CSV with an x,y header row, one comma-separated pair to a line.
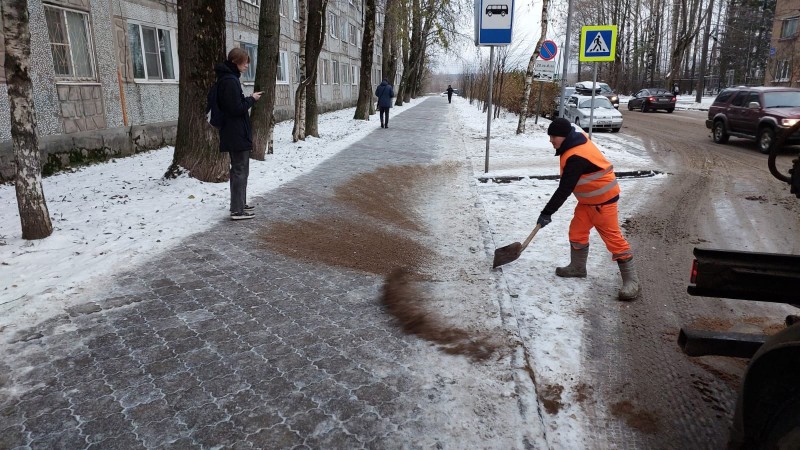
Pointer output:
x,y
252,50
283,69
352,39
335,71
343,31
333,24
70,43
296,58
789,27
252,2
325,76
153,52
354,72
296,10
784,70
345,74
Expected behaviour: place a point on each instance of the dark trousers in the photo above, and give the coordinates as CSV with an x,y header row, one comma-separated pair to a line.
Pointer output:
x,y
449,98
240,170
384,111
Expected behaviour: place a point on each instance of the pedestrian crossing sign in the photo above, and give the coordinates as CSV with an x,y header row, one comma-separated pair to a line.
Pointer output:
x,y
598,43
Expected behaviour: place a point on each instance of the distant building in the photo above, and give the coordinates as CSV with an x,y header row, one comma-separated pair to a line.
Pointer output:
x,y
783,65
90,58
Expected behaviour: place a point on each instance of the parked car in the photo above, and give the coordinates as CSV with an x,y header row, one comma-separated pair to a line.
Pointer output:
x,y
585,88
652,99
579,108
756,113
552,111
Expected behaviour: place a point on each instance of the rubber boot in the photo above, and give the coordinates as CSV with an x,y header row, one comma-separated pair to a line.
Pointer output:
x,y
577,264
630,280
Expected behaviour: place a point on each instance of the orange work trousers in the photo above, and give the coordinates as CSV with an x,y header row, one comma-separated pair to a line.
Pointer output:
x,y
606,219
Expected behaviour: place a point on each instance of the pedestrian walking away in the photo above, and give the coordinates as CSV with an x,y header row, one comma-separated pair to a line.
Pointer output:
x,y
587,174
449,94
385,94
236,133
676,90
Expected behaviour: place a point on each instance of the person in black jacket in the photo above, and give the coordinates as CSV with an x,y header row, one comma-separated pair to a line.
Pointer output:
x,y
236,133
449,94
385,94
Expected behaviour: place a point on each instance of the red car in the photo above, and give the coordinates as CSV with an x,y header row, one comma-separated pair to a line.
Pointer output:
x,y
756,113
652,99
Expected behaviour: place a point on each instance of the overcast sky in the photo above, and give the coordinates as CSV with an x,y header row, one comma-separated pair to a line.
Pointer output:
x,y
526,27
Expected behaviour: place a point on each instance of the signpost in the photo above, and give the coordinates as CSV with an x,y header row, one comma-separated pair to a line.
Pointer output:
x,y
493,24
544,69
598,43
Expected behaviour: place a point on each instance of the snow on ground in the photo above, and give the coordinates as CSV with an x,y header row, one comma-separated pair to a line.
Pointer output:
x,y
549,308
117,214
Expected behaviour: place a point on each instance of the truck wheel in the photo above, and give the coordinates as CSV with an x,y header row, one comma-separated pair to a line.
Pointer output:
x,y
768,408
766,139
720,134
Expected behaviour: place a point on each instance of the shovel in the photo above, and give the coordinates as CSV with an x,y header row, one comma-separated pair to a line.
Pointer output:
x,y
511,252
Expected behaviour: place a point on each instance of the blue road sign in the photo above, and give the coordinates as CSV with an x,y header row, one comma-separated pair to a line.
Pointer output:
x,y
598,43
494,21
548,51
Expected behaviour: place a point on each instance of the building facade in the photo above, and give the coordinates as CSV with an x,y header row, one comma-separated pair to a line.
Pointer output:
x,y
783,66
105,73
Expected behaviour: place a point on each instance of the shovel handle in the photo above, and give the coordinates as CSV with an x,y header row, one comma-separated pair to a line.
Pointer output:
x,y
530,237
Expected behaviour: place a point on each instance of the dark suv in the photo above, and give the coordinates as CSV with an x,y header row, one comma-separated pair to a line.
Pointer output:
x,y
757,113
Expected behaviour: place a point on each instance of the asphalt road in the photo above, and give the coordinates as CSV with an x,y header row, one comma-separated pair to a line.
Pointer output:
x,y
716,196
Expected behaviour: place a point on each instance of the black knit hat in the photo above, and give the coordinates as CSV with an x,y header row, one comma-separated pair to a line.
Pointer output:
x,y
560,127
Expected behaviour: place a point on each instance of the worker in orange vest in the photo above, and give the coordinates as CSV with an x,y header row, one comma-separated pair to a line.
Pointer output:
x,y
586,173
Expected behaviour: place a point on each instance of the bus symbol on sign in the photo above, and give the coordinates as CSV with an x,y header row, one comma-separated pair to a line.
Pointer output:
x,y
496,9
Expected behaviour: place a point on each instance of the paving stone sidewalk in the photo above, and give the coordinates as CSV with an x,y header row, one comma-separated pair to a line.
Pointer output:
x,y
223,343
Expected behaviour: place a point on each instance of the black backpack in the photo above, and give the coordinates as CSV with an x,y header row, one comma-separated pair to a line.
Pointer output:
x,y
214,115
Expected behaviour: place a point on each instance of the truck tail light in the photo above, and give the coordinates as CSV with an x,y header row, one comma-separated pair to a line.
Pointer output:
x,y
693,276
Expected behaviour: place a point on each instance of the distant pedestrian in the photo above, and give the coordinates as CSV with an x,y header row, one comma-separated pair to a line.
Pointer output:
x,y
236,133
385,94
586,173
449,94
676,89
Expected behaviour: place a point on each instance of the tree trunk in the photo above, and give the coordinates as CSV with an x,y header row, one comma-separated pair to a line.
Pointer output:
x,y
263,117
315,38
201,45
389,50
299,129
702,75
367,45
33,214
526,92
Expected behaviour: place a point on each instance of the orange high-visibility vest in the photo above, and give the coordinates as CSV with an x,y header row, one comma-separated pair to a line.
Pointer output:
x,y
597,187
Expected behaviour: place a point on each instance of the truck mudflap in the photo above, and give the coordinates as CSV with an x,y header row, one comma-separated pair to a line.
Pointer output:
x,y
768,409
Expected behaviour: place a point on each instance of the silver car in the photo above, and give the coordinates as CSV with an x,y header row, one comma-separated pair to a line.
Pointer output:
x,y
606,117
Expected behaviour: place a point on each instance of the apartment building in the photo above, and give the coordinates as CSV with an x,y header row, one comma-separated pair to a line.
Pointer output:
x,y
783,65
105,74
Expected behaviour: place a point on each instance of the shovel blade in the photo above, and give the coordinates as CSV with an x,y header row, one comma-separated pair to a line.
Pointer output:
x,y
505,255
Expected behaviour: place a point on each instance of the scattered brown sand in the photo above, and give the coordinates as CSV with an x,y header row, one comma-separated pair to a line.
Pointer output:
x,y
389,193
550,396
711,324
641,420
405,304
583,392
344,242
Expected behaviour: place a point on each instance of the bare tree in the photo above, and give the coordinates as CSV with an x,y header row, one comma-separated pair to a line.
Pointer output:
x,y
201,45
33,214
390,51
263,117
312,37
526,92
363,106
314,40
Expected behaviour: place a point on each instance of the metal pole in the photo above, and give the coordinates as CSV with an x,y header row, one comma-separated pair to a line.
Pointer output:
x,y
566,60
539,104
591,111
489,111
